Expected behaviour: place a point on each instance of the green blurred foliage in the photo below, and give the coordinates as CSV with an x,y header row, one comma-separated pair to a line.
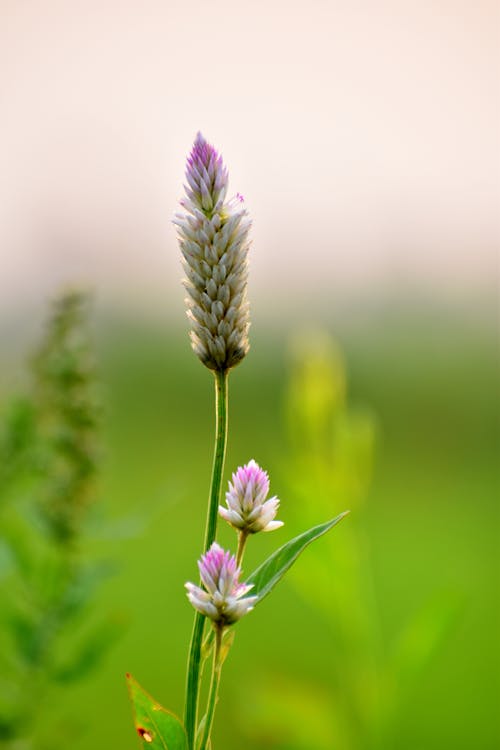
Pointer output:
x,y
48,441
67,414
329,468
410,645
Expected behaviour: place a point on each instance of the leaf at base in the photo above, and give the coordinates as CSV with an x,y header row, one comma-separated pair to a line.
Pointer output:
x,y
267,575
158,728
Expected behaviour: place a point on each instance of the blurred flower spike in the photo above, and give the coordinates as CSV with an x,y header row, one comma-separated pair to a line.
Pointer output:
x,y
224,600
213,237
247,509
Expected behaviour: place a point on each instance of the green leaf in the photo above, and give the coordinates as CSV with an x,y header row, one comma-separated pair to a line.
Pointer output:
x,y
267,575
158,728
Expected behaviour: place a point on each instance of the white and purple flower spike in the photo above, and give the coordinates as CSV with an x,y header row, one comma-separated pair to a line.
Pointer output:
x,y
223,600
247,509
213,237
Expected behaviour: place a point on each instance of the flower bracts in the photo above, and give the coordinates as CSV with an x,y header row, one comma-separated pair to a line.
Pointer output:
x,y
224,599
213,237
247,508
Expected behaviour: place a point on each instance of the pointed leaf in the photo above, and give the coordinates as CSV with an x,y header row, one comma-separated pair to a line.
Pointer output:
x,y
267,575
158,728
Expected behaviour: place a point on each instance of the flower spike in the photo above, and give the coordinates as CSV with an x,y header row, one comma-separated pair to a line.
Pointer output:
x,y
213,237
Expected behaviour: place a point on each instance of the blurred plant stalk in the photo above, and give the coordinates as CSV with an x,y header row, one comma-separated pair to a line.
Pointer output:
x,y
333,446
332,454
49,450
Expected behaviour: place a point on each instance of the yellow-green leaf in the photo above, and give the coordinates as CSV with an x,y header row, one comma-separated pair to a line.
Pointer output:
x,y
267,575
157,728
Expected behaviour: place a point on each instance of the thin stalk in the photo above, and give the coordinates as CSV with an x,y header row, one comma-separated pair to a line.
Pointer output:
x,y
242,540
214,689
194,661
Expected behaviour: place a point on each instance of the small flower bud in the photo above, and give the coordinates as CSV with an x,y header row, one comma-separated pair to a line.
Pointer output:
x,y
247,508
223,599
213,237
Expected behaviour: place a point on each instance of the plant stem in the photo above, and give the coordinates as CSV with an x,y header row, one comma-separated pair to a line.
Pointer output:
x,y
219,455
214,689
193,676
242,540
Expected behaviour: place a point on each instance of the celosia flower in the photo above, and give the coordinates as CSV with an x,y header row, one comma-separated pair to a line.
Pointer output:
x,y
247,508
223,600
213,237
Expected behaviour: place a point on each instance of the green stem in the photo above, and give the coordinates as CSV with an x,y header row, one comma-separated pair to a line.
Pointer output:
x,y
242,540
194,661
214,689
219,455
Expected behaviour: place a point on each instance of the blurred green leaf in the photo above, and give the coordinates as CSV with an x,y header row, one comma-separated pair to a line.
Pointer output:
x,y
289,713
267,575
6,564
17,440
8,729
91,653
27,635
81,589
158,728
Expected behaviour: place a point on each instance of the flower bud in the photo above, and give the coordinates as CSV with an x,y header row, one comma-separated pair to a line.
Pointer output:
x,y
247,508
223,600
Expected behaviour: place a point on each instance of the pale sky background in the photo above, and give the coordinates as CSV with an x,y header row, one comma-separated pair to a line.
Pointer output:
x,y
364,136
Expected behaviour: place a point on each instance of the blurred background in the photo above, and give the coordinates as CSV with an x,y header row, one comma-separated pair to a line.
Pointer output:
x,y
364,137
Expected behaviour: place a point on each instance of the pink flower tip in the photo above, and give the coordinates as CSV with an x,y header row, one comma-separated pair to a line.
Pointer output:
x,y
223,597
247,509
